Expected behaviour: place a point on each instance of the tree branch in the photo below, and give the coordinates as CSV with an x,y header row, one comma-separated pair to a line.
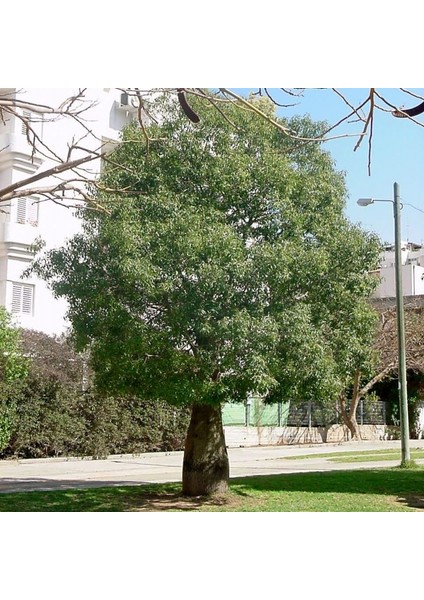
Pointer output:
x,y
7,193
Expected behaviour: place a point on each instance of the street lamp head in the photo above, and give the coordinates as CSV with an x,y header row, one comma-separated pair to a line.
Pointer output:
x,y
365,201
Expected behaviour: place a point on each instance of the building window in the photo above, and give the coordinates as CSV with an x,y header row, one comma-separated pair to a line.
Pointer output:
x,y
22,299
32,124
24,124
27,211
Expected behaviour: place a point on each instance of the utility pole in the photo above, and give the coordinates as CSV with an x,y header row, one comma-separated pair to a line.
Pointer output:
x,y
403,394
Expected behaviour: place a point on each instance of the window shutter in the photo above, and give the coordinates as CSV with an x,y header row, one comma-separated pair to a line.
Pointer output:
x,y
21,211
27,296
27,211
32,211
16,298
22,298
27,116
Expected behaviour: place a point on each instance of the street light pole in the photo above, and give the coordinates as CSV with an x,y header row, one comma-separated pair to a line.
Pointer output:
x,y
402,384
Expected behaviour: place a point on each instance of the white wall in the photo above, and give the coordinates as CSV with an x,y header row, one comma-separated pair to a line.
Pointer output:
x,y
55,223
412,259
412,281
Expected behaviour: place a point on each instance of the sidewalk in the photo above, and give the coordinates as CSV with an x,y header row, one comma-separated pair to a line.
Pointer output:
x,y
160,467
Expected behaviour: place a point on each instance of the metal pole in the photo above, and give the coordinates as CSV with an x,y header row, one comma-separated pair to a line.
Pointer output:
x,y
248,403
403,395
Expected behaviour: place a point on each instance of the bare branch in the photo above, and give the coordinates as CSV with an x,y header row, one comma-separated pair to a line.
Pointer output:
x,y
397,111
274,101
8,192
256,110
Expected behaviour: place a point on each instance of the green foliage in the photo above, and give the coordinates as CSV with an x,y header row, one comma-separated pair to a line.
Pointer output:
x,y
49,414
46,422
115,425
59,422
415,404
4,428
13,367
227,266
388,390
43,404
13,364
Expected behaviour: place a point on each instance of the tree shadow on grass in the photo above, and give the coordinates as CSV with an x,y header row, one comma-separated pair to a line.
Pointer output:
x,y
72,496
407,485
413,501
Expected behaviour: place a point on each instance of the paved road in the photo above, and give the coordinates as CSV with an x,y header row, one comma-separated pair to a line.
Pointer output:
x,y
158,467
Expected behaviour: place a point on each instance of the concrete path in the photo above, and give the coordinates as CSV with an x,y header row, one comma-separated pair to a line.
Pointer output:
x,y
159,467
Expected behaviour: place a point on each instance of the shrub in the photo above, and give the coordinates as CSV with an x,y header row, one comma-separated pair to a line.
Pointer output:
x,y
49,413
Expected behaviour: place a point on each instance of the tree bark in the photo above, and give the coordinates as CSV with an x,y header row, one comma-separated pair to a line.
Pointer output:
x,y
352,424
349,419
205,468
349,416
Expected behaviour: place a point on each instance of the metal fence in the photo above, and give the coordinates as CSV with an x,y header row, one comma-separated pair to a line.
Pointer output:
x,y
369,412
256,413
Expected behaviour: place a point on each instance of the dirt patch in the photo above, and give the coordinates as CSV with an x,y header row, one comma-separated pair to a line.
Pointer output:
x,y
177,502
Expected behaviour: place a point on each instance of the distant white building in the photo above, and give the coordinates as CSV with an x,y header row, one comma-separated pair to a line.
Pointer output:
x,y
25,219
412,271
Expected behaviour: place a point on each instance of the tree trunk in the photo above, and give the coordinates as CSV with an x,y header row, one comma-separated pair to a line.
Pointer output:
x,y
352,424
349,417
206,467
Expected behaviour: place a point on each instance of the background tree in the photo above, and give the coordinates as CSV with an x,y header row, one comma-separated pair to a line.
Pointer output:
x,y
386,348
382,347
230,269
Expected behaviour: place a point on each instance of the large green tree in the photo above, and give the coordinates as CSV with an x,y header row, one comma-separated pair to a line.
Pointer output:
x,y
222,265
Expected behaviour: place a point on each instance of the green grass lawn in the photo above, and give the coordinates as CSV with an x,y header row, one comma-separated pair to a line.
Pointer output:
x,y
379,455
360,455
367,490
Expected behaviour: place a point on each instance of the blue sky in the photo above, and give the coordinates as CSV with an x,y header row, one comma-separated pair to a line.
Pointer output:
x,y
397,156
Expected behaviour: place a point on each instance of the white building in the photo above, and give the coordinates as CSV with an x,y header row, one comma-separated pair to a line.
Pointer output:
x,y
412,256
23,220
